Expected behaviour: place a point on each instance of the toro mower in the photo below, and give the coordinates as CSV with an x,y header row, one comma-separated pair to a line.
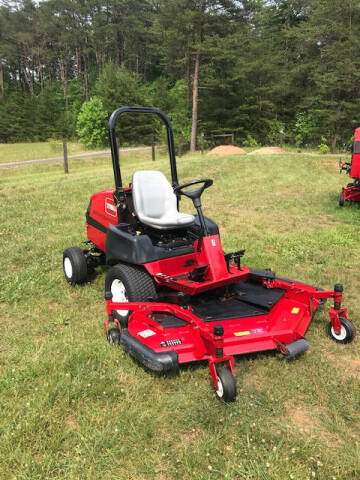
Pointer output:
x,y
173,296
351,193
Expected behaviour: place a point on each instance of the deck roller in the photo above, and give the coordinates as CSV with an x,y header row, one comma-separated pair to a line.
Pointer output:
x,y
294,349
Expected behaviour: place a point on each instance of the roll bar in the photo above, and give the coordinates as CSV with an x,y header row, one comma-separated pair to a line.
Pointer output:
x,y
114,147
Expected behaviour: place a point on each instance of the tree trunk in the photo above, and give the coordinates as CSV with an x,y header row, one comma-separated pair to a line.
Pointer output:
x,y
86,80
188,88
41,79
77,62
39,69
1,81
64,81
333,142
119,48
195,104
28,78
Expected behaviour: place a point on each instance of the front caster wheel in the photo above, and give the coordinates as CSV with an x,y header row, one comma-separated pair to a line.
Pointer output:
x,y
347,332
226,386
75,266
113,336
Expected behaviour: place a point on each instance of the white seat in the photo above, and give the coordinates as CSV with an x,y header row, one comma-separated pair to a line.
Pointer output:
x,y
155,202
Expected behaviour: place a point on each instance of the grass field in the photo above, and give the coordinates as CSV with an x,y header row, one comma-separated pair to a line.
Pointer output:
x,y
20,152
72,407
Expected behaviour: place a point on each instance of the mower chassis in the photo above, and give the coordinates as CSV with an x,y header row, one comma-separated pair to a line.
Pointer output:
x,y
282,329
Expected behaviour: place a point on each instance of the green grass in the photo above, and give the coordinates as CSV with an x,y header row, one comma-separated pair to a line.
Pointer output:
x,y
75,408
20,152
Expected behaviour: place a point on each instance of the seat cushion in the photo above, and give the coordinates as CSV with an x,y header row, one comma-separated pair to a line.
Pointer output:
x,y
155,203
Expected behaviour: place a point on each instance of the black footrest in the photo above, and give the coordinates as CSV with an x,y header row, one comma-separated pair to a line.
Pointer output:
x,y
257,274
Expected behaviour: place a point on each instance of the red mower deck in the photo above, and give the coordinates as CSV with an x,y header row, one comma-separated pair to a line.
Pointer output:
x,y
172,295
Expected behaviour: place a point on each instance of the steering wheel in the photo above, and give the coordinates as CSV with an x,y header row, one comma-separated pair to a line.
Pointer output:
x,y
196,192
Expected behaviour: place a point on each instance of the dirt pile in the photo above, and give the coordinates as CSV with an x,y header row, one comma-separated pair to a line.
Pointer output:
x,y
267,151
223,150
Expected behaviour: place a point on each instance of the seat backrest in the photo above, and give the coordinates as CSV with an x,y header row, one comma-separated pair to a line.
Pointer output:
x,y
153,195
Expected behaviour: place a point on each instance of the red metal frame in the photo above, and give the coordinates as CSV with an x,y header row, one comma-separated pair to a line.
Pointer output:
x,y
174,272
351,193
286,322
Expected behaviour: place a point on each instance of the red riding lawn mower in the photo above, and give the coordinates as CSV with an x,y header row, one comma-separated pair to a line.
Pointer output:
x,y
173,296
351,193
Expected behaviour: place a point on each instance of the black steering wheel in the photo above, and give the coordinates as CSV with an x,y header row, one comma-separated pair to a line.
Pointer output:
x,y
196,192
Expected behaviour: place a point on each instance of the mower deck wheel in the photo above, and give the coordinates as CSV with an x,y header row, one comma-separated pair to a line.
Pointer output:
x,y
346,334
226,389
129,284
341,200
113,336
75,266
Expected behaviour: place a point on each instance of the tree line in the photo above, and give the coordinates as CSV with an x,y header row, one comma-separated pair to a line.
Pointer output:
x,y
260,69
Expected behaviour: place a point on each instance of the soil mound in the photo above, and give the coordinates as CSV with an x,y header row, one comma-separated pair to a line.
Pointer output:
x,y
267,151
223,150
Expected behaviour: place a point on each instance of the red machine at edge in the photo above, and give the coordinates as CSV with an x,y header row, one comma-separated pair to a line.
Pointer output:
x,y
351,193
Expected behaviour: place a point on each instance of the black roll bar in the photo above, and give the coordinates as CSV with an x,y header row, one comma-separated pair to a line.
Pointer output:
x,y
114,147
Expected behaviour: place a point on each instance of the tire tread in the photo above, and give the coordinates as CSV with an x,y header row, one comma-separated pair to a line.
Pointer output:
x,y
80,270
139,285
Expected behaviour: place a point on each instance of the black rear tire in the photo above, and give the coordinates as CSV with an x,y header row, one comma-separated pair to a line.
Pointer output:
x,y
341,200
347,333
138,287
226,385
75,266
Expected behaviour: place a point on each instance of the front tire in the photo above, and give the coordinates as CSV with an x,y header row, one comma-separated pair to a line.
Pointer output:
x,y
75,266
128,284
347,332
113,336
226,388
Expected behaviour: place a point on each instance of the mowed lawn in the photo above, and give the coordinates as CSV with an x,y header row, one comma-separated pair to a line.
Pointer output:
x,y
72,407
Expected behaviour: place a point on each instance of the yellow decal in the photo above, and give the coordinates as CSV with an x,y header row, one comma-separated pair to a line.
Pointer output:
x,y
295,310
240,334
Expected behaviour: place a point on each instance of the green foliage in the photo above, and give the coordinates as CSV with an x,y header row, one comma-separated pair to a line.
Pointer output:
x,y
250,141
323,147
304,128
91,123
179,111
298,141
117,87
274,132
173,100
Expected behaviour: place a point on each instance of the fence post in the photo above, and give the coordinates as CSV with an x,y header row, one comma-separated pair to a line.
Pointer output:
x,y
66,165
281,137
153,150
202,143
232,139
